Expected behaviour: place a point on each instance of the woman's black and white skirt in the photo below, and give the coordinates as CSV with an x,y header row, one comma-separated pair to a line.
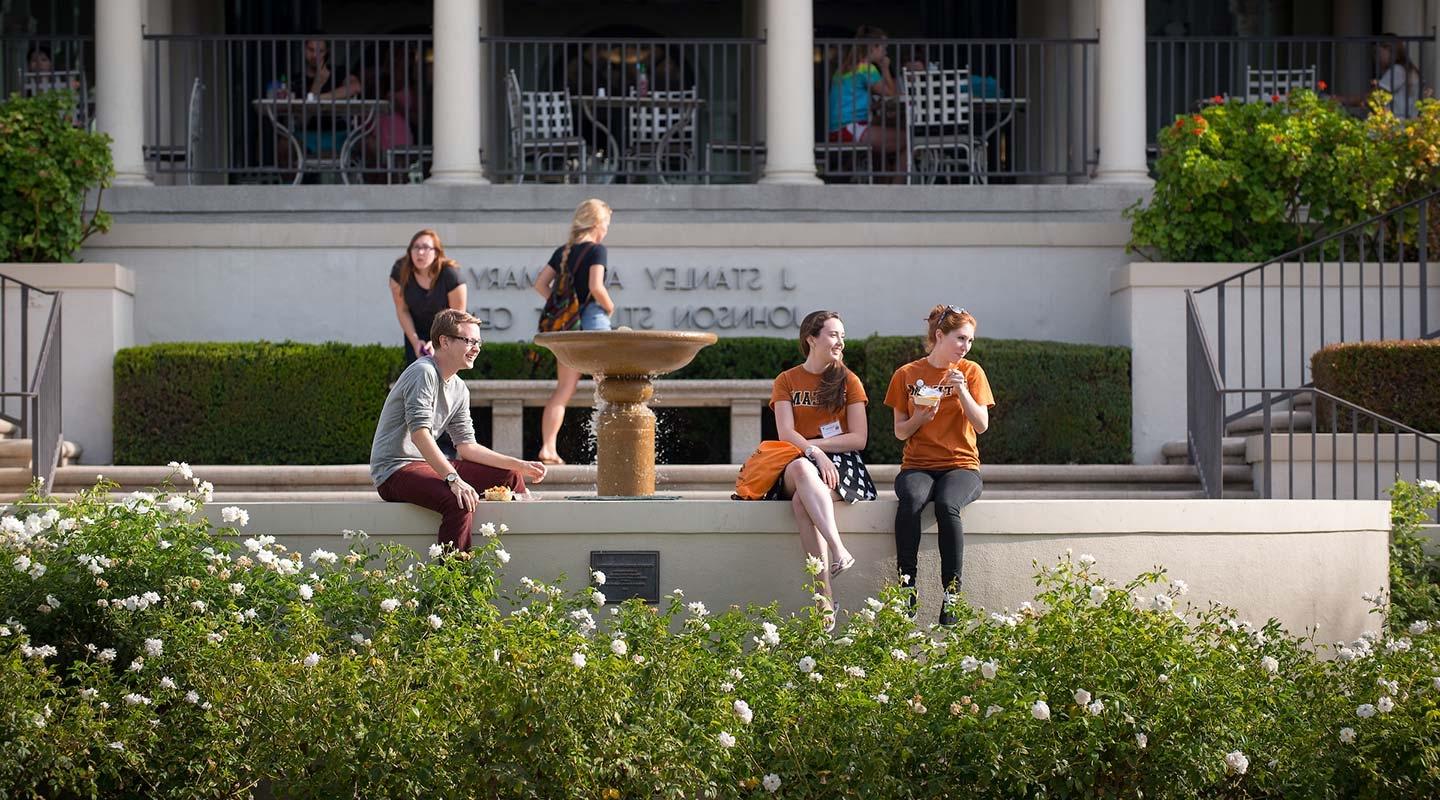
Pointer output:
x,y
853,485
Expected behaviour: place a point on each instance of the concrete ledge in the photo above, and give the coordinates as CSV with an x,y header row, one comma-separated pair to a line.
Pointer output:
x,y
1302,562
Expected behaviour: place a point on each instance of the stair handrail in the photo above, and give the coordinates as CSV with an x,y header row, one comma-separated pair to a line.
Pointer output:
x,y
1412,217
39,394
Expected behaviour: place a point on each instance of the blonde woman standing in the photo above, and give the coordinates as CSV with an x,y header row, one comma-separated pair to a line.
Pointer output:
x,y
582,260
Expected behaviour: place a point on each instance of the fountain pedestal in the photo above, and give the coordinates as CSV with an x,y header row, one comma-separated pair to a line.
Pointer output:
x,y
624,363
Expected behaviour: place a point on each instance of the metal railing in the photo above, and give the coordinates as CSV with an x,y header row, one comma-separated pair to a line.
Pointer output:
x,y
593,110
31,400
1204,404
1369,281
34,64
1186,72
973,110
252,109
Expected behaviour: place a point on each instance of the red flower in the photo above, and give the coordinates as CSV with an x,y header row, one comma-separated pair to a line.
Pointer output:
x,y
1322,86
1274,98
1217,99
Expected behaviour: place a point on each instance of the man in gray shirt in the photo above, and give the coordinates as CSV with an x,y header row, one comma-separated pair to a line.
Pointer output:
x,y
429,397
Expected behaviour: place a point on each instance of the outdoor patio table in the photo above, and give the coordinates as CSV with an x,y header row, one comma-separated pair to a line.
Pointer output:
x,y
685,110
294,116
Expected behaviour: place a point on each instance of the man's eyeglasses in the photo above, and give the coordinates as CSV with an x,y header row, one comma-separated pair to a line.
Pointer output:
x,y
422,248
466,339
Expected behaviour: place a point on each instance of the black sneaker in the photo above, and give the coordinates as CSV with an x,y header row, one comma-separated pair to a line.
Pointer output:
x,y
947,610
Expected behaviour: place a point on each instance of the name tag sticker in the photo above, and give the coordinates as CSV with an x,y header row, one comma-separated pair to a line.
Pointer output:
x,y
829,429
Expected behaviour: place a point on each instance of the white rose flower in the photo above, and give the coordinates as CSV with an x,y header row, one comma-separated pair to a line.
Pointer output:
x,y
312,659
577,659
502,556
1419,627
1098,594
813,565
1142,741
192,697
898,654
770,634
807,664
237,589
488,530
619,647
1040,711
154,647
1096,708
1163,602
1347,735
1435,682
697,608
598,598
855,672
598,577
1181,587
134,699
726,740
988,670
742,710
1430,485
235,514
1270,665
771,783
1082,697
969,664
167,683
389,605
435,551
434,621
1086,559
107,655
1163,678
882,698
991,711
1236,762
305,591
1365,711
1385,705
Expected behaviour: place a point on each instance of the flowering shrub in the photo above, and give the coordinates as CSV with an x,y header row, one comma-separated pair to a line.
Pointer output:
x,y
1414,573
1249,181
143,655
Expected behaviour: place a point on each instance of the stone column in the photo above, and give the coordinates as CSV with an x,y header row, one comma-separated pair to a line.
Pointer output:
x,y
789,93
1122,92
457,90
119,60
744,429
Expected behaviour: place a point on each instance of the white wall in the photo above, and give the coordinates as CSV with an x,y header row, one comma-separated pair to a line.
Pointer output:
x,y
1304,563
1341,465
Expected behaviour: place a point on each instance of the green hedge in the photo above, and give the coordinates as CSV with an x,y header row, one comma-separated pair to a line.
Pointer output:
x,y
217,403
1399,379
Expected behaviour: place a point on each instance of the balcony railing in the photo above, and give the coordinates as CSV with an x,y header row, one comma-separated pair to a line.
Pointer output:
x,y
33,64
245,109
1186,71
960,111
608,110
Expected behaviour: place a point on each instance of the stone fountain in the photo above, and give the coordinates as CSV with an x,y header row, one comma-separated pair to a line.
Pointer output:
x,y
624,363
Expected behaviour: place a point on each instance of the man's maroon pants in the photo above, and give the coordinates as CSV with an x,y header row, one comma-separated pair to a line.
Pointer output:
x,y
417,483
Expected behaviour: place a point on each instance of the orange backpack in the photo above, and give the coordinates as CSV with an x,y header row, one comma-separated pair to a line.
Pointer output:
x,y
764,466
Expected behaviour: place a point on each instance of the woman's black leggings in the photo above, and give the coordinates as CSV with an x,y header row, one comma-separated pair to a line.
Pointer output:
x,y
952,490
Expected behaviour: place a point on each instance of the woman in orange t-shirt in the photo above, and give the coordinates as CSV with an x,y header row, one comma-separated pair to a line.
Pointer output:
x,y
820,408
942,403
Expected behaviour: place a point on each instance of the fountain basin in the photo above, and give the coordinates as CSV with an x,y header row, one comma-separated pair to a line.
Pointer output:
x,y
625,353
623,363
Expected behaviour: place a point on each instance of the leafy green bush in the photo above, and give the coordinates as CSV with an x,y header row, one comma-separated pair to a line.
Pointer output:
x,y
1248,181
1399,379
1057,402
145,656
1414,573
47,168
256,403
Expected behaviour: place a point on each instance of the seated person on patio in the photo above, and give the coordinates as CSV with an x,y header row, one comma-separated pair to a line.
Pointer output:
x,y
429,397
1397,75
864,70
322,81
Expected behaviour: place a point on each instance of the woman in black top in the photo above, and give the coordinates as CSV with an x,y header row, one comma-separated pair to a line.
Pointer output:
x,y
423,283
583,257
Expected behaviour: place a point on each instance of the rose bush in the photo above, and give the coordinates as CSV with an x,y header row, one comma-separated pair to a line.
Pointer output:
x,y
1249,181
144,653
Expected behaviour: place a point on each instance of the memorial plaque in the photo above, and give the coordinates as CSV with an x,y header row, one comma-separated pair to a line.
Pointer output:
x,y
628,573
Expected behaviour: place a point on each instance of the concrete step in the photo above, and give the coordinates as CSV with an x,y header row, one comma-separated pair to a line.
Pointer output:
x,y
16,453
1232,451
253,482
1280,422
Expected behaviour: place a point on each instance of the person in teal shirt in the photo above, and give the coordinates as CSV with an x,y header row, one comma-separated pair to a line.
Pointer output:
x,y
864,71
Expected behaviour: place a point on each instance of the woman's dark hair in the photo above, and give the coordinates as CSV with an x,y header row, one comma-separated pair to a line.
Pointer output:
x,y
832,381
